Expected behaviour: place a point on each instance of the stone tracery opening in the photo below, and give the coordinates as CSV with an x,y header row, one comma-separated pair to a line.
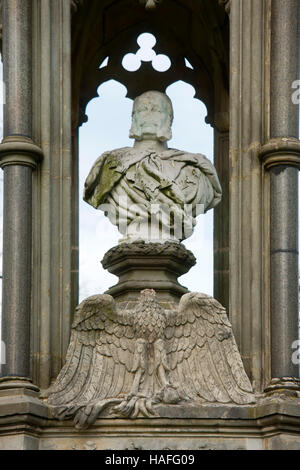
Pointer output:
x,y
146,53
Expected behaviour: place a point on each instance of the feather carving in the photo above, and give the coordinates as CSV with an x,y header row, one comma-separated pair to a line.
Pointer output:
x,y
131,360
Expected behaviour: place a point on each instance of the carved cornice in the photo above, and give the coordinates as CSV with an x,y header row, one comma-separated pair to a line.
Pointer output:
x,y
142,264
141,248
226,4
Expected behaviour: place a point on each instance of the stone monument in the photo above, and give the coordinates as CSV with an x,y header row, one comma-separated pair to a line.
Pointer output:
x,y
131,356
242,58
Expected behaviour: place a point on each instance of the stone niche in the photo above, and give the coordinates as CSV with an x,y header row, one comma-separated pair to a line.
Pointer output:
x,y
243,408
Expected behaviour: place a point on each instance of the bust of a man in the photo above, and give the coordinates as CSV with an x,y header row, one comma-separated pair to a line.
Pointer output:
x,y
150,192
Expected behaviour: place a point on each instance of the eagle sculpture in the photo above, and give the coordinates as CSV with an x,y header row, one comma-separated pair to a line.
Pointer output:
x,y
132,360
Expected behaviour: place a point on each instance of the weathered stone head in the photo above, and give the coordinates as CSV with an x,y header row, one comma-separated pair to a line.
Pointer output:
x,y
152,117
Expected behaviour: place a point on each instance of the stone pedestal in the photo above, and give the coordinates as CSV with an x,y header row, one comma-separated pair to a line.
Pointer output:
x,y
142,265
21,413
272,424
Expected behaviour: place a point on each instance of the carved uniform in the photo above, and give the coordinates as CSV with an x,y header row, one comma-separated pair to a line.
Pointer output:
x,y
172,186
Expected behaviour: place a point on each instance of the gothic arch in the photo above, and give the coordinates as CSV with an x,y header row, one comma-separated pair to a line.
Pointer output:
x,y
183,30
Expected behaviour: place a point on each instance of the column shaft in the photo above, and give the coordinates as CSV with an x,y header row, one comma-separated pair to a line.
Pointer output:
x,y
284,269
221,221
17,67
18,157
284,190
16,269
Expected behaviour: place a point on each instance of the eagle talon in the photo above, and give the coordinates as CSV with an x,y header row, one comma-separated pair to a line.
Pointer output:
x,y
135,406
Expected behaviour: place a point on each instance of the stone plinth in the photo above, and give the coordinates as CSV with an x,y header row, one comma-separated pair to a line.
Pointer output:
x,y
142,265
272,424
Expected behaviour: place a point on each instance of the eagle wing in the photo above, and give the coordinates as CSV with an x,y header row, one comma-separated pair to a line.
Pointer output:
x,y
202,353
99,358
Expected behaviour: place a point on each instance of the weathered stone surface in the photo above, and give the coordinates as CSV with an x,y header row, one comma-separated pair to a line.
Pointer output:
x,y
133,360
268,425
149,191
143,264
21,402
273,423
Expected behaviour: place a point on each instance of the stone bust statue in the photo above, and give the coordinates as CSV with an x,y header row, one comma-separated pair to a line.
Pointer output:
x,y
150,192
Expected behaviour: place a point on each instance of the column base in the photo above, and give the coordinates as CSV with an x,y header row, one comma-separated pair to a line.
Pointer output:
x,y
12,383
21,414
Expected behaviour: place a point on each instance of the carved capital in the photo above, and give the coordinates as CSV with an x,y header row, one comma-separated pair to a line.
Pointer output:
x,y
19,150
221,121
281,151
226,4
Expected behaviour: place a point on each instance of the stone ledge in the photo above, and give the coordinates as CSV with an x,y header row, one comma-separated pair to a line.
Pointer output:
x,y
144,249
267,425
21,401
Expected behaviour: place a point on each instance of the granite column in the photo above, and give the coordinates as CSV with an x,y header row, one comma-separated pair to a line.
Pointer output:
x,y
19,157
281,156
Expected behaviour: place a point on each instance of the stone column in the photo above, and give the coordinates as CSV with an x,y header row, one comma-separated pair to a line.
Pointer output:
x,y
19,157
221,219
281,156
55,194
249,52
